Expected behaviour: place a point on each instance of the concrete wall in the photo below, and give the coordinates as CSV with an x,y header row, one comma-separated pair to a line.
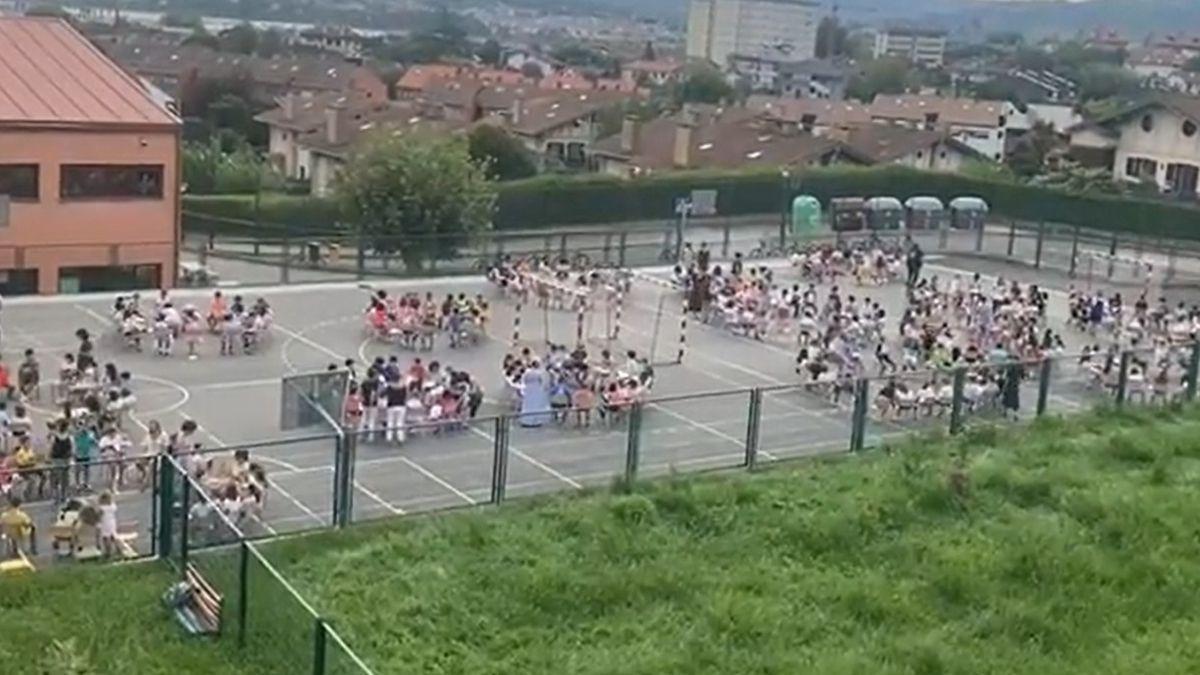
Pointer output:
x,y
54,232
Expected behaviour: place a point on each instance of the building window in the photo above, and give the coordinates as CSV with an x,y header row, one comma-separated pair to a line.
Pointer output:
x,y
1148,123
101,181
1139,167
19,181
1189,128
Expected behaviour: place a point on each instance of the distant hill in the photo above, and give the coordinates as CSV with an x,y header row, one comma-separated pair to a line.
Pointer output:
x,y
1033,18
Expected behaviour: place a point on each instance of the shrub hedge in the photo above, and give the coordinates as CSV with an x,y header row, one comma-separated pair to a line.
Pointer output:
x,y
549,201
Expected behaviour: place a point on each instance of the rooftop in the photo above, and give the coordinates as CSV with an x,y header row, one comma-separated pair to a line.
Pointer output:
x,y
914,108
50,75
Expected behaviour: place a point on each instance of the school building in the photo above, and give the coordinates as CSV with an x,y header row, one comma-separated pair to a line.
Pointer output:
x,y
89,167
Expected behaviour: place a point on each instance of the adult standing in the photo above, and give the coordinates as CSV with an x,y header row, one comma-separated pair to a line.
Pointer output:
x,y
535,396
916,258
702,257
396,397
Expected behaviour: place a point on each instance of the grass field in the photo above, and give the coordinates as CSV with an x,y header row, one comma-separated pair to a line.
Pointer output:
x,y
1069,547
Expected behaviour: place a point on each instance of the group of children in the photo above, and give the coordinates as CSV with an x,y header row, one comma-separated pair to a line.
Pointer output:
x,y
239,329
391,402
413,322
563,385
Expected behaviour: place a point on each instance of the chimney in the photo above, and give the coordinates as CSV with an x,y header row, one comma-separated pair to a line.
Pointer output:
x,y
517,115
631,130
684,131
333,123
289,106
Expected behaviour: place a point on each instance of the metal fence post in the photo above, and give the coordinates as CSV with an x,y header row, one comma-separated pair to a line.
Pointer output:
x,y
166,507
285,270
1012,235
725,235
360,259
1041,238
243,592
622,241
1193,370
319,646
1044,386
1074,251
956,404
1112,254
979,237
943,232
348,449
858,421
339,465
1123,378
499,458
185,508
753,425
633,445
608,246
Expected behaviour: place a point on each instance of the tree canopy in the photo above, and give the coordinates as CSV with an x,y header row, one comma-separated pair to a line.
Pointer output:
x,y
502,156
881,76
704,85
420,196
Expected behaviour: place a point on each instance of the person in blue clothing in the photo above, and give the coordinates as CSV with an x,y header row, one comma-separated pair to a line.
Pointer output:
x,y
535,396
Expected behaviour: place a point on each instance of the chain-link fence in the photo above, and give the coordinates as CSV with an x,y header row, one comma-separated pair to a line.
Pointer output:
x,y
230,590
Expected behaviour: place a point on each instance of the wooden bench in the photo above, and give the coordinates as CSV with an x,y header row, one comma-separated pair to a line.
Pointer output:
x,y
199,612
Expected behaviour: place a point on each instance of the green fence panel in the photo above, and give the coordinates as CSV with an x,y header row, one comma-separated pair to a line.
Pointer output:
x,y
279,622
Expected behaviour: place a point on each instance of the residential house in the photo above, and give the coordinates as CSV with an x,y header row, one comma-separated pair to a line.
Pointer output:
x,y
810,78
928,150
326,149
1106,40
708,139
172,68
1157,141
922,46
416,79
982,125
1043,85
520,60
560,128
90,168
811,115
342,40
298,116
656,73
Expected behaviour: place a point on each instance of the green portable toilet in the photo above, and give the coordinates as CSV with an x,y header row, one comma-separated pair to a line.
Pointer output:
x,y
806,214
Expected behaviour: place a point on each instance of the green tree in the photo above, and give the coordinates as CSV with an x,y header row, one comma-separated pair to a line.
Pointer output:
x,y
48,10
1192,65
270,43
1028,158
648,52
200,37
177,20
704,85
241,39
881,76
503,156
489,52
422,197
1101,80
831,38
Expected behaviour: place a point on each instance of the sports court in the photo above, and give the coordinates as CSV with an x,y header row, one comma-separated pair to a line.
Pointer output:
x,y
698,417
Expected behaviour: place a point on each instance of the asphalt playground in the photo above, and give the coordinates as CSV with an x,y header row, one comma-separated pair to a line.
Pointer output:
x,y
697,419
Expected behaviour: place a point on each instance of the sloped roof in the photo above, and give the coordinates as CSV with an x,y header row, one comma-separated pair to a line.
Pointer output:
x,y
396,119
880,144
51,76
726,142
823,112
308,112
962,111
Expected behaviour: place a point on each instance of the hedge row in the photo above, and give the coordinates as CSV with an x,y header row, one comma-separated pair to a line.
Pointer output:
x,y
555,201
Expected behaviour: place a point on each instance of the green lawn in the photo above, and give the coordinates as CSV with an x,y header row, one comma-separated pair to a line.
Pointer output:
x,y
99,620
1071,547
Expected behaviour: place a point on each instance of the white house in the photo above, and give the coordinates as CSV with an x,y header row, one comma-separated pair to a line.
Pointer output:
x,y
1159,141
981,125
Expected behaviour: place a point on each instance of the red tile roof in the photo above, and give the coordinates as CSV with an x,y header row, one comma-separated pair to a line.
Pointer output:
x,y
51,76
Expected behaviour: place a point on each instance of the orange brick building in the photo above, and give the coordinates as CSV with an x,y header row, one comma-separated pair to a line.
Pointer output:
x,y
89,167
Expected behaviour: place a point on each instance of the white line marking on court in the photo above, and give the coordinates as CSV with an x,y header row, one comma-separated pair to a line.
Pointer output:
x,y
94,314
243,384
434,477
513,449
396,510
291,468
302,339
